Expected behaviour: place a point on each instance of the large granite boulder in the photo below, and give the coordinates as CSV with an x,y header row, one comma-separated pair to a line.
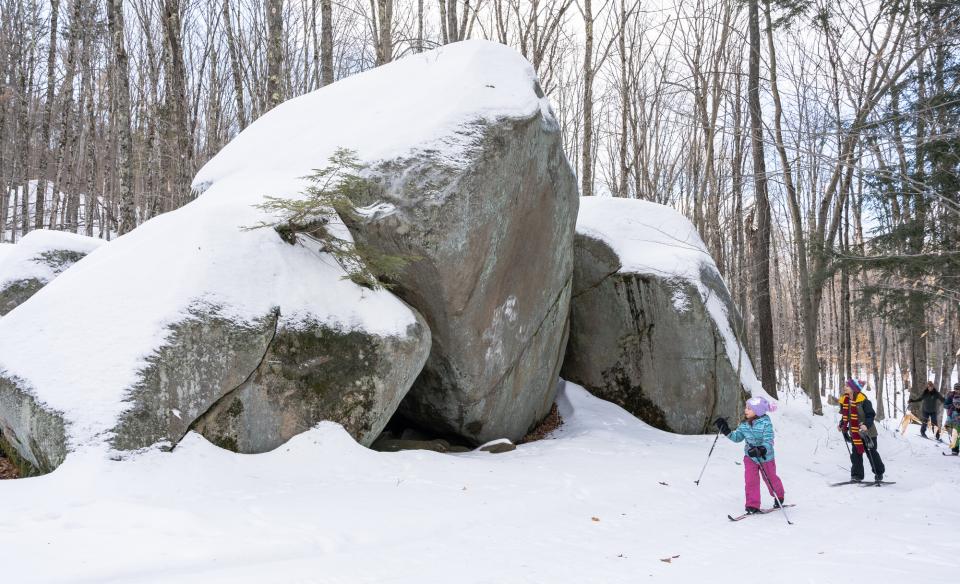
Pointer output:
x,y
470,181
653,327
494,241
39,257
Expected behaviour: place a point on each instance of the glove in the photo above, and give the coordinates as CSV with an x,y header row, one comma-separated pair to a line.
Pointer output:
x,y
722,426
757,451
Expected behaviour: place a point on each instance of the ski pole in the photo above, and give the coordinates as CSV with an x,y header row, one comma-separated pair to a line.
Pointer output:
x,y
709,454
849,452
770,487
867,445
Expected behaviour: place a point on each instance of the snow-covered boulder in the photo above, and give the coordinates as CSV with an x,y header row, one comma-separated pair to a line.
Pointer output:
x,y
35,260
653,327
474,185
148,336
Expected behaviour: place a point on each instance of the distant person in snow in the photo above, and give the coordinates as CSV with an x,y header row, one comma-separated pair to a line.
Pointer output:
x,y
859,430
929,407
951,404
757,433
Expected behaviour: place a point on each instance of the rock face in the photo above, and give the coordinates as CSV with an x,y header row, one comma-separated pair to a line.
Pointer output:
x,y
318,373
493,242
248,387
652,323
38,258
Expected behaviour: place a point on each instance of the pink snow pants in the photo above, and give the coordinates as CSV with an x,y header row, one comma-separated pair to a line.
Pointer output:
x,y
751,478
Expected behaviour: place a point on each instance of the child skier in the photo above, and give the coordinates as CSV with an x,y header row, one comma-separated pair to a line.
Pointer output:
x,y
757,431
859,430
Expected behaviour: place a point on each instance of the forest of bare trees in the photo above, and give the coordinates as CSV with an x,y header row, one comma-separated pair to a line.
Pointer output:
x,y
814,144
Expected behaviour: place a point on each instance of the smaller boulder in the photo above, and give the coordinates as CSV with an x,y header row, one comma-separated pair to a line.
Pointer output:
x,y
498,446
653,327
39,257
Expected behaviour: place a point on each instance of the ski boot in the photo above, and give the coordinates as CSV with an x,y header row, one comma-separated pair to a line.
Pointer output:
x,y
878,477
778,504
751,510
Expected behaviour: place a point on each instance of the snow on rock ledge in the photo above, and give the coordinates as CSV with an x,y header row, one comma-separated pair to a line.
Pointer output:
x,y
474,184
37,259
653,327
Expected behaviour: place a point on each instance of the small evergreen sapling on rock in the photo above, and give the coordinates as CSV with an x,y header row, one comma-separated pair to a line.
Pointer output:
x,y
335,192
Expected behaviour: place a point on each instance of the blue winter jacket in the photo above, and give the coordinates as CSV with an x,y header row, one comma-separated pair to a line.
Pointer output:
x,y
758,432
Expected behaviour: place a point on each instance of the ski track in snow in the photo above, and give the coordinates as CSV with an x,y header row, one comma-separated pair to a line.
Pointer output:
x,y
323,509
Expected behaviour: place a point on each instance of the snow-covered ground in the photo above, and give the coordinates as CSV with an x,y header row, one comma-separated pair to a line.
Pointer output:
x,y
607,499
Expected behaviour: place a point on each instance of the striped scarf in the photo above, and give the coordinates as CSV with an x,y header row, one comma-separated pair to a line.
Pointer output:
x,y
851,419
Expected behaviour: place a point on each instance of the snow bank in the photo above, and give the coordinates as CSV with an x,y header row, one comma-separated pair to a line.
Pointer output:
x,y
650,238
605,499
25,260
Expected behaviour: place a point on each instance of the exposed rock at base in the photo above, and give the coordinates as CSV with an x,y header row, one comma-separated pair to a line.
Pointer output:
x,y
38,258
493,242
499,447
390,444
652,342
35,434
247,387
316,373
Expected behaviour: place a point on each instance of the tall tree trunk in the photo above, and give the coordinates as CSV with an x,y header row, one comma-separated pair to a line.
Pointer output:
x,y
40,200
234,66
761,247
66,108
326,42
274,53
128,214
383,30
586,178
25,89
179,141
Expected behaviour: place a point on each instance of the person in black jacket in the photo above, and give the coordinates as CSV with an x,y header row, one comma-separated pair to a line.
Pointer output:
x,y
929,408
857,417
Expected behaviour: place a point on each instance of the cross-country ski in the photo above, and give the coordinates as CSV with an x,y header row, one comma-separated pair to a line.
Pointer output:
x,y
757,512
